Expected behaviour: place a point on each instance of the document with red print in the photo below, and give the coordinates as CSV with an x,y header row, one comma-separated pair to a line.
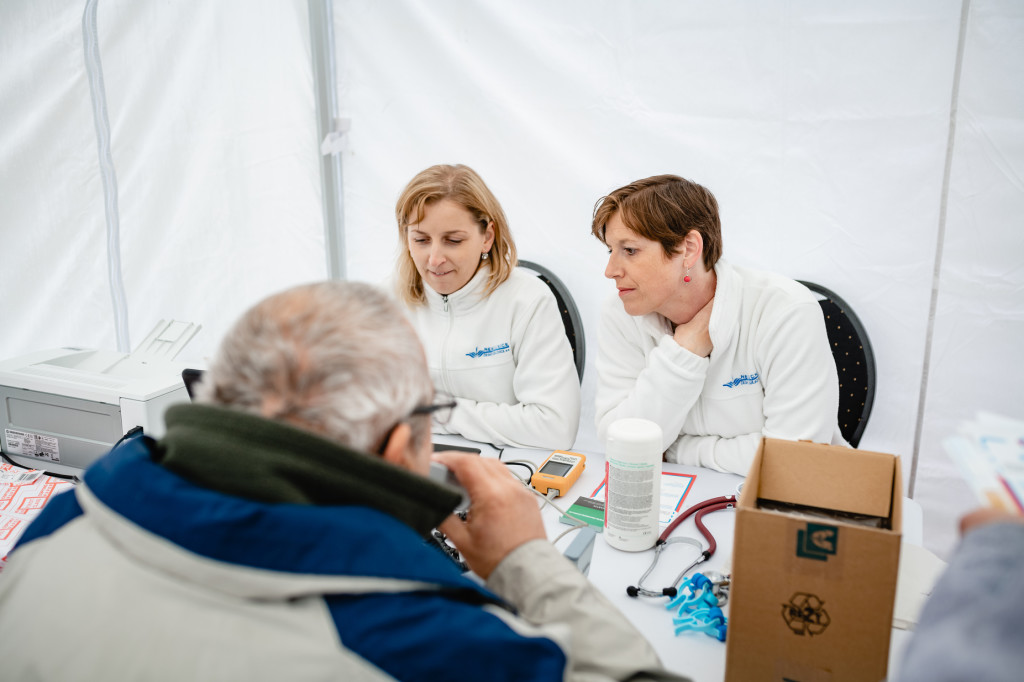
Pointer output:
x,y
23,492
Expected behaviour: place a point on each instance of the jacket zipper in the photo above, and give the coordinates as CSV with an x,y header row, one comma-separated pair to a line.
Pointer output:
x,y
444,346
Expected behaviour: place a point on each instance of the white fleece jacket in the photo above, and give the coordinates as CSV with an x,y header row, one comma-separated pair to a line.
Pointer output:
x,y
506,360
771,373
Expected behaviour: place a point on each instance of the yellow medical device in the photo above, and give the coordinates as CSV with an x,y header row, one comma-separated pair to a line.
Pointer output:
x,y
559,471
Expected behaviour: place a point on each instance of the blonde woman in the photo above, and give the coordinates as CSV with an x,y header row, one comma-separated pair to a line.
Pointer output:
x,y
492,333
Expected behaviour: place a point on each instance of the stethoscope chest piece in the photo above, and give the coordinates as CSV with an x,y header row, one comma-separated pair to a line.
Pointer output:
x,y
698,511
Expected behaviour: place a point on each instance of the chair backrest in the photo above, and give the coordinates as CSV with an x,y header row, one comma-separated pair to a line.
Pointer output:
x,y
855,362
570,313
191,377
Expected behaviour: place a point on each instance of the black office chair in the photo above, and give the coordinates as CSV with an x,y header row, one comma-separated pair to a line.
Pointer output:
x,y
570,313
855,362
190,377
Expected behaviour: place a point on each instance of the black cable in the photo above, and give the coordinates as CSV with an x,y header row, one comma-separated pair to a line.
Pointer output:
x,y
518,462
522,463
128,434
67,477
71,477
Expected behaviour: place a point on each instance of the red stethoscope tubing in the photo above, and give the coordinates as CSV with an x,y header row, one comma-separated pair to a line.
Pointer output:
x,y
699,520
700,509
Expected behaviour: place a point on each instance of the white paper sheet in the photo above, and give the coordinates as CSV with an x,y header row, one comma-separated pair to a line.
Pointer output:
x,y
23,494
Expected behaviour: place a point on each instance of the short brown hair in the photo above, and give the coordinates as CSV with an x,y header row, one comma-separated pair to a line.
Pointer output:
x,y
664,208
465,187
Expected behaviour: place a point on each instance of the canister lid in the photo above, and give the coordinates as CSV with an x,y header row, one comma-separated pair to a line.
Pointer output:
x,y
636,431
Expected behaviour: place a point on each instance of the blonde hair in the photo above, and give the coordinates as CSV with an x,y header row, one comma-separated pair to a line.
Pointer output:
x,y
462,185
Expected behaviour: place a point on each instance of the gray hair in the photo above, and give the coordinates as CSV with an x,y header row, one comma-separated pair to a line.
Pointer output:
x,y
335,358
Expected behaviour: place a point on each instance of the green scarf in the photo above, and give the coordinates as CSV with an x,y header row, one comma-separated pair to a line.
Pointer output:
x,y
247,456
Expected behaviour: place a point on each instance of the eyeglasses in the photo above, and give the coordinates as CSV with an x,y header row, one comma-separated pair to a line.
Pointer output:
x,y
440,409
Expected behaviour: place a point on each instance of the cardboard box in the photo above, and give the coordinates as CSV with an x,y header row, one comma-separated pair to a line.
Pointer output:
x,y
812,595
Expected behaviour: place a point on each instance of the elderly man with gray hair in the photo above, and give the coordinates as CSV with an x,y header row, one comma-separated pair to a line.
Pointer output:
x,y
261,539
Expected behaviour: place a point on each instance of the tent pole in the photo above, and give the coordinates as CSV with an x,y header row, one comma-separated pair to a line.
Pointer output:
x,y
108,175
965,11
321,31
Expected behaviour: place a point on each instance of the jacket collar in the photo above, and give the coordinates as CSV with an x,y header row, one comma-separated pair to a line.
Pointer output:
x,y
725,313
266,461
153,514
465,298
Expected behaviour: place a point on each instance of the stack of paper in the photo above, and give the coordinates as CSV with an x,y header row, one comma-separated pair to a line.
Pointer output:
x,y
23,493
990,454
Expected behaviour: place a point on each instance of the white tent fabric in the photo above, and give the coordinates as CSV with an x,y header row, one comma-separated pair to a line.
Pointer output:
x,y
976,361
874,148
213,137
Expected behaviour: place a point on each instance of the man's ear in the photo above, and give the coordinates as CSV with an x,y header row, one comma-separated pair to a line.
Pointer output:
x,y
399,445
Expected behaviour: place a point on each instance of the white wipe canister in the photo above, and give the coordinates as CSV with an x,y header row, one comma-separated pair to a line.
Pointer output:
x,y
632,495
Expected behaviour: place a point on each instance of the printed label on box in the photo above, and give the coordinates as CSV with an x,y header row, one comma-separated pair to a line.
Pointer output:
x,y
818,541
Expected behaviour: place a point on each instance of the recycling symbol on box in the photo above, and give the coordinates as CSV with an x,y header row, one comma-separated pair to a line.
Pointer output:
x,y
805,614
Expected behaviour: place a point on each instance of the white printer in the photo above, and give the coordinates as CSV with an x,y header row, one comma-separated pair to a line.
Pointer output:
x,y
64,408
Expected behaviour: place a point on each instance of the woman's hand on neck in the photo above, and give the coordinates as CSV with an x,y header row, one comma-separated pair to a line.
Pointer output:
x,y
692,321
694,335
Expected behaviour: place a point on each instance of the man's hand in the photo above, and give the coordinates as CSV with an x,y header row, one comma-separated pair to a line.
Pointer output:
x,y
503,514
986,515
694,336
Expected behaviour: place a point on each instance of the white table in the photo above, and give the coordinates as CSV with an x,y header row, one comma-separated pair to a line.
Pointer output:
x,y
693,654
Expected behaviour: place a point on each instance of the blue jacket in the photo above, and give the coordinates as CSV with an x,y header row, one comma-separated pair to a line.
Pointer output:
x,y
139,573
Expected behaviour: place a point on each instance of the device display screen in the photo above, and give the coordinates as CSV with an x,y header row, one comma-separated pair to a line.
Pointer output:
x,y
556,468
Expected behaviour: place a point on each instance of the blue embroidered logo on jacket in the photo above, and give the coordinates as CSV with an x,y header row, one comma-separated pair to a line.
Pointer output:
x,y
743,379
489,350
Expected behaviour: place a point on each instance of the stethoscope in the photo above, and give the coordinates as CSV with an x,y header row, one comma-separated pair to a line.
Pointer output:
x,y
698,511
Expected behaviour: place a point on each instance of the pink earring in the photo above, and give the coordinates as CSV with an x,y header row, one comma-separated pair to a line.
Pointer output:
x,y
686,277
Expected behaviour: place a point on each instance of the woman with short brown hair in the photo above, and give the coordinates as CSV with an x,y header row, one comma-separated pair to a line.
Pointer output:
x,y
718,355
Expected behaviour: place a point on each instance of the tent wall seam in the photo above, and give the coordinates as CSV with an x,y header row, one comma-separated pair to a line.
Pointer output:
x,y
321,32
939,243
94,70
